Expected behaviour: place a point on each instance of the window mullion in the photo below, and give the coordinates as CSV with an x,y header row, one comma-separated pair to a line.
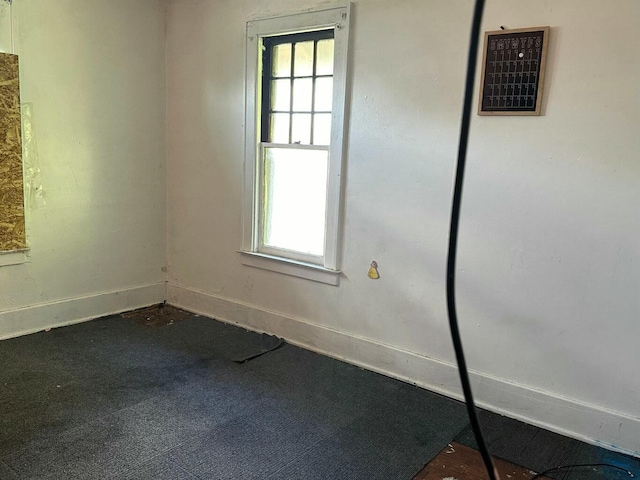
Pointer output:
x,y
313,89
293,56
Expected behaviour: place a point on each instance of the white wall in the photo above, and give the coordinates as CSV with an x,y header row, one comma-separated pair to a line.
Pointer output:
x,y
93,73
5,28
549,259
551,234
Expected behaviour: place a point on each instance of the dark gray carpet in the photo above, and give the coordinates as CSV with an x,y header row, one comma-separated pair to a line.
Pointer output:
x,y
115,399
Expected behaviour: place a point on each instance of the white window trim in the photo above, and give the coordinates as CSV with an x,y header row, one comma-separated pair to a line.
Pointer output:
x,y
287,266
337,17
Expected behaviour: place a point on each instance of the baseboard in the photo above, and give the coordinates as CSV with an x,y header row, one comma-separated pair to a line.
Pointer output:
x,y
590,423
22,321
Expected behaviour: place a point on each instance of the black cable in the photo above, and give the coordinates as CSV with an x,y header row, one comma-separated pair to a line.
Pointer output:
x,y
581,465
453,240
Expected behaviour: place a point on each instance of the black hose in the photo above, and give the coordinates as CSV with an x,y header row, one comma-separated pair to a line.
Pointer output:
x,y
453,241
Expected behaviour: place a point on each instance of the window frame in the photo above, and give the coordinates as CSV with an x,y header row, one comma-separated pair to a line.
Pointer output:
x,y
336,17
270,249
270,42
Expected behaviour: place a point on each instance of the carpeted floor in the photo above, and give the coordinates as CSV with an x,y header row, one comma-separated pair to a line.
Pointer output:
x,y
115,399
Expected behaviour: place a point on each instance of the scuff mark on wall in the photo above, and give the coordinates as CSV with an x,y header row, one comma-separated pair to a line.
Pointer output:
x,y
34,193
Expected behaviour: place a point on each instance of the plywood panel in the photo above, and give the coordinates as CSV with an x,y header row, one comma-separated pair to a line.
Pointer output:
x,y
12,229
459,462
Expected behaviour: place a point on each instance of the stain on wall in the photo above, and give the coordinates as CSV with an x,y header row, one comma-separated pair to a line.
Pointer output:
x,y
12,229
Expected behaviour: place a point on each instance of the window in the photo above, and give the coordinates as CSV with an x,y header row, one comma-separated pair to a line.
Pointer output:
x,y
296,84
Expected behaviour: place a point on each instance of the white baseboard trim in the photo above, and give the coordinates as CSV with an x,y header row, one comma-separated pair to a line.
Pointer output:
x,y
35,318
590,423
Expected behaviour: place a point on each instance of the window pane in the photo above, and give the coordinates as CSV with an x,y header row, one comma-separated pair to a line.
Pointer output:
x,y
295,199
303,63
281,95
324,92
281,60
322,129
301,128
324,62
279,128
302,94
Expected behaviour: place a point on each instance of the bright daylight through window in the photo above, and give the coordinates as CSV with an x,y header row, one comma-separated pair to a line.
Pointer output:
x,y
296,80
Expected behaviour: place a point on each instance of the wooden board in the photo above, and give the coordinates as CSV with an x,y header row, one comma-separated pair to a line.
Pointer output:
x,y
158,315
12,228
458,462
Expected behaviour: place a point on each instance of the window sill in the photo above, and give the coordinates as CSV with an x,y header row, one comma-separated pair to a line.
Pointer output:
x,y
13,258
291,267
